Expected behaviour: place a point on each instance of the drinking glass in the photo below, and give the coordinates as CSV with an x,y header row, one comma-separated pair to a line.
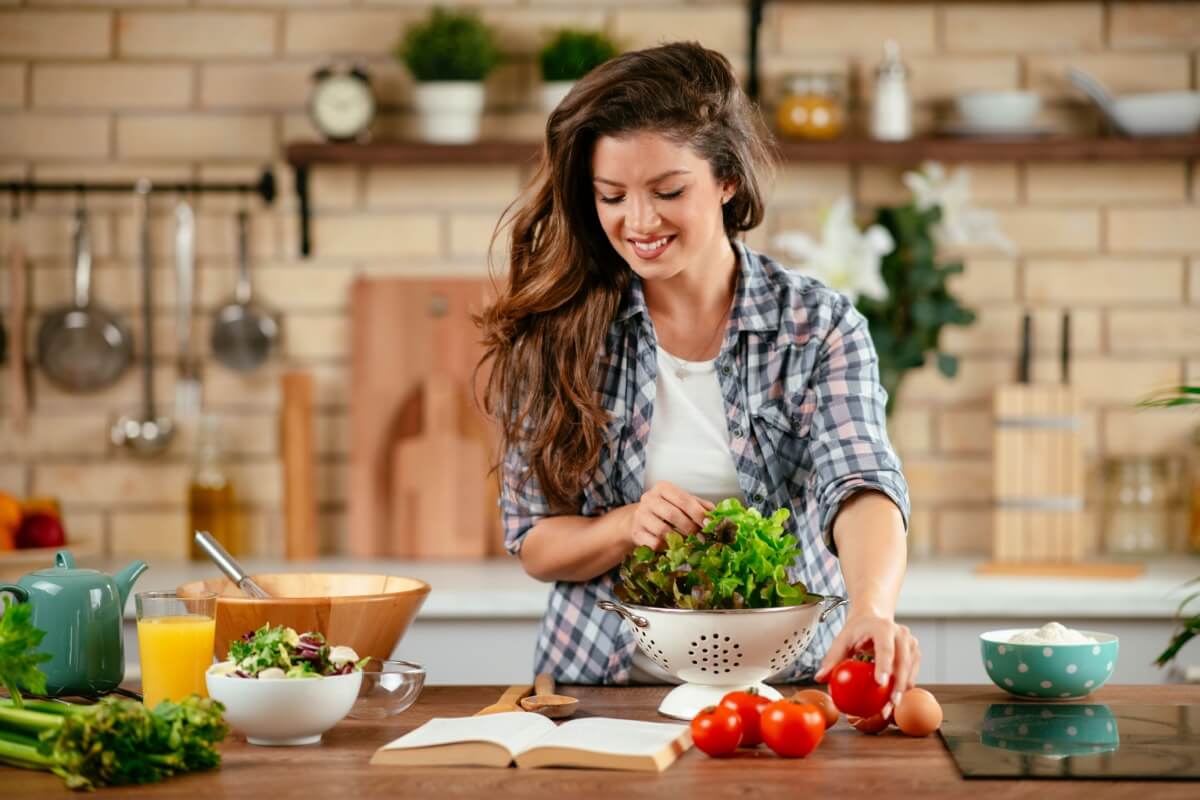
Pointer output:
x,y
175,642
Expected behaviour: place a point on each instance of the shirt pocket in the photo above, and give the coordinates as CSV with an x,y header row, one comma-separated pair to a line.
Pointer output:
x,y
783,436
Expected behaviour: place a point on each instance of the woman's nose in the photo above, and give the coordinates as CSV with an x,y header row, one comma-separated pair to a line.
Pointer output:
x,y
643,216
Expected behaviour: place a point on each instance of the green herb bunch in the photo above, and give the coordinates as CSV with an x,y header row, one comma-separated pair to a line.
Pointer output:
x,y
119,742
449,46
907,325
1188,626
738,560
570,54
19,658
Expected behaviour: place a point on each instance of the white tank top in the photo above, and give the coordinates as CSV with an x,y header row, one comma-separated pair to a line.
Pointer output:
x,y
689,441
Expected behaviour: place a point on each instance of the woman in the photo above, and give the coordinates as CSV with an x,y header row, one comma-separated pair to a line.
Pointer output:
x,y
645,364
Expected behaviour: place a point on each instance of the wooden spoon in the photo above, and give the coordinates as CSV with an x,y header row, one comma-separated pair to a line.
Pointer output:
x,y
508,700
546,702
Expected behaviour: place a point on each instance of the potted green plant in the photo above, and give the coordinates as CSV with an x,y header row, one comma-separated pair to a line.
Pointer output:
x,y
570,54
892,272
1188,612
449,54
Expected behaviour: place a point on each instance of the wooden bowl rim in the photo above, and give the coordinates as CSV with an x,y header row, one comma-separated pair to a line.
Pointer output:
x,y
420,590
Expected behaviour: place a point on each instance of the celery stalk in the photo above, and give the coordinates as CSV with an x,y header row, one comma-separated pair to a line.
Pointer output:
x,y
31,721
45,707
22,753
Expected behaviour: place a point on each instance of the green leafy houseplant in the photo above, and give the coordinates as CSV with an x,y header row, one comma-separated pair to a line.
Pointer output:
x,y
1189,626
907,324
738,560
570,54
449,46
891,271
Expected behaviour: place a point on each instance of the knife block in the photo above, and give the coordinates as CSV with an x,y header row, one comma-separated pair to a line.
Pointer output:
x,y
1038,475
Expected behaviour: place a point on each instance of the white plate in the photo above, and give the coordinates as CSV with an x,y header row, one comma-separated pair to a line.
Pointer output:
x,y
996,131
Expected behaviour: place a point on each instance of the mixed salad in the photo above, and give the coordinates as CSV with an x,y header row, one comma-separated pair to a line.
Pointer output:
x,y
280,652
740,559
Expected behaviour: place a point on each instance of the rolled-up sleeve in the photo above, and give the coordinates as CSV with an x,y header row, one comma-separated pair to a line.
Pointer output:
x,y
522,503
849,442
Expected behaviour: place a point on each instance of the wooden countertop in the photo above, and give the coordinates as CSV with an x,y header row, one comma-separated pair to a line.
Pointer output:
x,y
846,764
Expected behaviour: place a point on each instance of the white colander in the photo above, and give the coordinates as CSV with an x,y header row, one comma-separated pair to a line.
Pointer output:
x,y
715,651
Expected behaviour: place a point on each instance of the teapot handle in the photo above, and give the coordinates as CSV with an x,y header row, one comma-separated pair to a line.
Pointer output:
x,y
64,559
16,591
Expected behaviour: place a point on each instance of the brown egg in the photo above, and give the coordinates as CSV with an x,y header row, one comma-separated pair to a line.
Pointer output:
x,y
871,725
821,700
918,713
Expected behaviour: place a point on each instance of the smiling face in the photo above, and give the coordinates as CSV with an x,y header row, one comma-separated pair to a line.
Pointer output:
x,y
659,204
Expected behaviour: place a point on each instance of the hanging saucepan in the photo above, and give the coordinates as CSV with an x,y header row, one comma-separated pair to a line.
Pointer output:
x,y
243,333
83,347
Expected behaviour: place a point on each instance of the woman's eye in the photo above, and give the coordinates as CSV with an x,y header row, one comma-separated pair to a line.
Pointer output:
x,y
669,195
611,200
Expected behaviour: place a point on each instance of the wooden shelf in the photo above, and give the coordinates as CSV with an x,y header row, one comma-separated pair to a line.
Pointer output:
x,y
303,155
863,151
401,152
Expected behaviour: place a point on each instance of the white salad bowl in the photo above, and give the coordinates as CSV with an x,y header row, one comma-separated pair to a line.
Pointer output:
x,y
284,711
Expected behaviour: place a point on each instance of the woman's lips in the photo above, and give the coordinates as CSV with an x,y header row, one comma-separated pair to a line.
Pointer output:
x,y
649,251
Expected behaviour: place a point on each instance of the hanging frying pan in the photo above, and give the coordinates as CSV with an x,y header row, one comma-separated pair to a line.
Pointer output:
x,y
83,347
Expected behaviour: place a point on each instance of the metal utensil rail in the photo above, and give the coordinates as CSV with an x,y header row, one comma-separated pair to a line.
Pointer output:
x,y
264,187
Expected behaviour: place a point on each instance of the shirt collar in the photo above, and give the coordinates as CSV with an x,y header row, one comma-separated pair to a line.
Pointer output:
x,y
755,308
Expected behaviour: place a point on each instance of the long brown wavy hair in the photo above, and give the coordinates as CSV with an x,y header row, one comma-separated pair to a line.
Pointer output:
x,y
544,334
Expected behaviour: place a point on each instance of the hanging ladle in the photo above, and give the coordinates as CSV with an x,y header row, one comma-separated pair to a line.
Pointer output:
x,y
151,434
243,333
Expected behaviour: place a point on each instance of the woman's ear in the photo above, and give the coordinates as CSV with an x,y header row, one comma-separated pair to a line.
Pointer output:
x,y
728,190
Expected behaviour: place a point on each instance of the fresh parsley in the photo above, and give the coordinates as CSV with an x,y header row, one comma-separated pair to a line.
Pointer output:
x,y
19,658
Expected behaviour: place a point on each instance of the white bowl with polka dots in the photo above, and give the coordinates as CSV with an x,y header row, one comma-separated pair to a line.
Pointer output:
x,y
1048,671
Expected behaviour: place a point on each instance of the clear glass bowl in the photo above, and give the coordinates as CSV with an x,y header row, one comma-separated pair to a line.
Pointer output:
x,y
388,688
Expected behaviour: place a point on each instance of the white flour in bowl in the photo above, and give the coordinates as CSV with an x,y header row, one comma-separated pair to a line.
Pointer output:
x,y
1051,633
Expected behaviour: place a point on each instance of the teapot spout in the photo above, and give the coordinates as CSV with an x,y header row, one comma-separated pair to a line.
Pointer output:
x,y
126,577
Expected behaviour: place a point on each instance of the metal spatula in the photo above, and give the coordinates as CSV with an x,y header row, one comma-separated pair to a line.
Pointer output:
x,y
227,564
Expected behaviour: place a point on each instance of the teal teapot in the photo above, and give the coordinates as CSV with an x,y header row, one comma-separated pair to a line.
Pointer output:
x,y
80,610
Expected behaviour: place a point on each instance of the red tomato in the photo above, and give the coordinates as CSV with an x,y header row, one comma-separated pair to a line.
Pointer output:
x,y
749,706
717,730
854,689
791,729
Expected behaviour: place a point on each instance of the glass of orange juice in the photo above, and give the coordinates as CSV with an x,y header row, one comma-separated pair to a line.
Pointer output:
x,y
175,641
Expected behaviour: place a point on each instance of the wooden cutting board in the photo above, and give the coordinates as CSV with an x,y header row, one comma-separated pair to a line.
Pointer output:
x,y
402,331
438,481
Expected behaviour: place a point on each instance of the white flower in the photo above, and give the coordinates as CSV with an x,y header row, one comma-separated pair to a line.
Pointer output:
x,y
960,223
846,259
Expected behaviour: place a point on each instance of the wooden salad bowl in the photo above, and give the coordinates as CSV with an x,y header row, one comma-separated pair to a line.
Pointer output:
x,y
367,612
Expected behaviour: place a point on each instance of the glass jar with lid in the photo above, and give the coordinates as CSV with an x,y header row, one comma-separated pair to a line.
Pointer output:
x,y
812,105
1138,502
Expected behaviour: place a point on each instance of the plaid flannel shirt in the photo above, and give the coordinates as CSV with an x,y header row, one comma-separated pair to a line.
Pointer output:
x,y
805,413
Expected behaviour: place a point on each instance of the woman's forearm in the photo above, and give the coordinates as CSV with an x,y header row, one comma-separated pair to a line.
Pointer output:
x,y
869,534
570,548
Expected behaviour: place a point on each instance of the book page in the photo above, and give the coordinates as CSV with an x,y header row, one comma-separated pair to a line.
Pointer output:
x,y
513,730
614,736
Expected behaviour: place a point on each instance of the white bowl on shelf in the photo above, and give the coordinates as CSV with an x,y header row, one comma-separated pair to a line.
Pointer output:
x,y
998,110
284,711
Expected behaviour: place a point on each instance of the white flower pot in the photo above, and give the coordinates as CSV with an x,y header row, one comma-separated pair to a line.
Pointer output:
x,y
448,112
553,93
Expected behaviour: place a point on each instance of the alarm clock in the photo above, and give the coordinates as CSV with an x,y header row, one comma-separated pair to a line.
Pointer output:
x,y
342,103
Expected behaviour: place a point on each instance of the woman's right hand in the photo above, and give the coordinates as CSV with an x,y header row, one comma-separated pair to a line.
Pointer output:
x,y
665,508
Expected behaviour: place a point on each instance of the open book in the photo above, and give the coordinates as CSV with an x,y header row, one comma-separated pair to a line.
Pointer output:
x,y
531,740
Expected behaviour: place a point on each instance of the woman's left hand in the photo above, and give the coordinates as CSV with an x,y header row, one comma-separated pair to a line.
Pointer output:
x,y
894,646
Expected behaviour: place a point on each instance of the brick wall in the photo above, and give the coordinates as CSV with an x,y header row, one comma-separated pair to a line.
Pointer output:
x,y
210,89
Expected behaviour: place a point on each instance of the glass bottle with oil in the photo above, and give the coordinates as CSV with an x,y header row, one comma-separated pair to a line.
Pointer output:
x,y
212,506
